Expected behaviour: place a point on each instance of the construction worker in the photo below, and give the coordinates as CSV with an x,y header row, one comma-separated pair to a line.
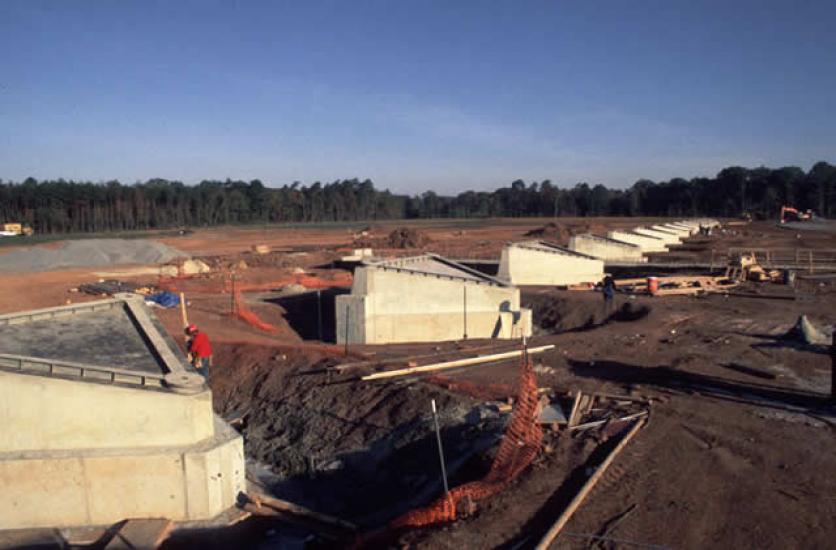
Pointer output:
x,y
200,350
608,289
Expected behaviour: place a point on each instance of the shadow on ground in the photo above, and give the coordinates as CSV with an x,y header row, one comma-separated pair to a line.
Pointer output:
x,y
712,386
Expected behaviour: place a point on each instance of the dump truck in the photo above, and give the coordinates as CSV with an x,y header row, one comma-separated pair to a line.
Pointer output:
x,y
15,229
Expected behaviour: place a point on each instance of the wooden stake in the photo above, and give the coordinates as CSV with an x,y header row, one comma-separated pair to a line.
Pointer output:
x,y
183,314
297,510
575,406
454,364
564,518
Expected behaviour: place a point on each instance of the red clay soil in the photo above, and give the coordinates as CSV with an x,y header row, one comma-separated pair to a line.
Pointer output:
x,y
739,450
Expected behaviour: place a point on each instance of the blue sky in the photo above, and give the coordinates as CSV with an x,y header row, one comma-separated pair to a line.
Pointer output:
x,y
445,95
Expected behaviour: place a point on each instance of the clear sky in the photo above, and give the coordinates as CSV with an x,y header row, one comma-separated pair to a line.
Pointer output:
x,y
446,95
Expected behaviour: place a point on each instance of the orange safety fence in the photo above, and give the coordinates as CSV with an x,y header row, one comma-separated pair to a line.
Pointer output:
x,y
241,311
519,447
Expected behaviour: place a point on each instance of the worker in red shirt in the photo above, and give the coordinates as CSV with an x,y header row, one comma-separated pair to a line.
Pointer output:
x,y
200,350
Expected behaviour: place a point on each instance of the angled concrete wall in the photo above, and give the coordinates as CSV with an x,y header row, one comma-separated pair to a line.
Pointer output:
x,y
604,248
681,232
664,236
541,263
690,229
645,242
427,299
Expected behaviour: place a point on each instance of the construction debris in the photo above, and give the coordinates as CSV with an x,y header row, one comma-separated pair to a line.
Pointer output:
x,y
564,517
675,285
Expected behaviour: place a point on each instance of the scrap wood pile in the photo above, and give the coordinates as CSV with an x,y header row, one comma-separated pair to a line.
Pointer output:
x,y
580,411
680,285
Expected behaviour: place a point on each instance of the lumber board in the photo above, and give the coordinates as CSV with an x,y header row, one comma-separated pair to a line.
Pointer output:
x,y
564,518
575,407
453,364
146,533
595,423
297,510
406,359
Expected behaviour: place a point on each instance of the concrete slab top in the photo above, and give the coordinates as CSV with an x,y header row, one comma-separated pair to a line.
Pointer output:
x,y
431,264
108,334
543,246
609,240
104,338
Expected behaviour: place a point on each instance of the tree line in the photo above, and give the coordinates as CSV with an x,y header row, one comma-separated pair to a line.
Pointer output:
x,y
62,206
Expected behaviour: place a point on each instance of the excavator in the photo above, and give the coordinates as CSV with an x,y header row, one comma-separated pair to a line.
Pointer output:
x,y
790,214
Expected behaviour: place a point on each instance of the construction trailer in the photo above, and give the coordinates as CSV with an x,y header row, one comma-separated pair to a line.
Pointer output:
x,y
666,236
102,419
604,248
544,263
646,242
427,298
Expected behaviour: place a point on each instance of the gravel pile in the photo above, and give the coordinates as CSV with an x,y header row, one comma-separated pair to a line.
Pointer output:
x,y
89,253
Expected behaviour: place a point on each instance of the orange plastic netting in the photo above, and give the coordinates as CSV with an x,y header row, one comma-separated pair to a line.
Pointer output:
x,y
519,447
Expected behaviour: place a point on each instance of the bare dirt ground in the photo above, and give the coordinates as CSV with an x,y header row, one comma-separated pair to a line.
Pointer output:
x,y
728,459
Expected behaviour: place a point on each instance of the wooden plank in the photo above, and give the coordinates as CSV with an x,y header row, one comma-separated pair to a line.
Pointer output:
x,y
595,423
146,533
575,407
453,364
564,518
297,510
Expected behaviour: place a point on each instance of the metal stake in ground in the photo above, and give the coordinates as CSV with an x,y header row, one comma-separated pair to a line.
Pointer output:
x,y
346,329
319,314
465,312
440,450
833,365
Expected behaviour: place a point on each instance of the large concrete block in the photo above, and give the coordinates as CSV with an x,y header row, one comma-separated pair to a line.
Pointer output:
x,y
646,242
100,487
604,248
426,298
541,263
665,236
43,413
102,419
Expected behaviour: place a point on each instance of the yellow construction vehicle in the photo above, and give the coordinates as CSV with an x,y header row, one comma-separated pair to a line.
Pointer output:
x,y
15,229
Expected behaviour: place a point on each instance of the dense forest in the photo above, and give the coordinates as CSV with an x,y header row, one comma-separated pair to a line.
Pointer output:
x,y
60,206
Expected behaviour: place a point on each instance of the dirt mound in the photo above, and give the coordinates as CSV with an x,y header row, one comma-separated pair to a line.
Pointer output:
x,y
550,231
561,232
555,314
345,447
89,253
406,237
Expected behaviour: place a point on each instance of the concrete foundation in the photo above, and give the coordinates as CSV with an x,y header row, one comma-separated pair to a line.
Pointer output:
x,y
606,249
680,232
665,236
678,226
542,263
646,242
427,299
109,435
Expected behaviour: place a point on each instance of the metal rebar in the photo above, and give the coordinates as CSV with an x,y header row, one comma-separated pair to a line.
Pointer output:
x,y
440,449
465,311
319,314
346,329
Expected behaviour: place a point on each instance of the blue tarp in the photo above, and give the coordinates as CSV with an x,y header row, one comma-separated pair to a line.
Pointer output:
x,y
165,299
